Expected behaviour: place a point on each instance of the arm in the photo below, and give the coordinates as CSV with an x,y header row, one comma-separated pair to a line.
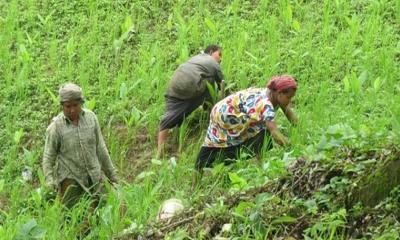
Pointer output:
x,y
290,115
50,154
276,134
103,156
268,117
217,74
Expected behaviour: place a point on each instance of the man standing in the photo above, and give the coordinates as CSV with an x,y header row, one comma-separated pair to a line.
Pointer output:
x,y
75,152
187,89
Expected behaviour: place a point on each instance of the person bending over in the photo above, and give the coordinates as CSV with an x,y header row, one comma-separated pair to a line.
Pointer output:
x,y
187,90
244,119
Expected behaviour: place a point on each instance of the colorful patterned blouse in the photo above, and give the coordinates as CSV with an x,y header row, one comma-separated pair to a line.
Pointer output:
x,y
239,117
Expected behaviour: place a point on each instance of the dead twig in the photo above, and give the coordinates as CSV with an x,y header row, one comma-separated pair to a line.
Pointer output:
x,y
163,230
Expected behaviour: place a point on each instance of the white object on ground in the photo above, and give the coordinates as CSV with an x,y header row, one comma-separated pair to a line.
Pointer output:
x,y
227,227
169,208
172,160
26,175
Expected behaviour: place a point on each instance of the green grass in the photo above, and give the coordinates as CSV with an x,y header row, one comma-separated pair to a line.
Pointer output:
x,y
344,54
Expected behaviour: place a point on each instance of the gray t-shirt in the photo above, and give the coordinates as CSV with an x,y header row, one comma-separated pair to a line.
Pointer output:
x,y
189,80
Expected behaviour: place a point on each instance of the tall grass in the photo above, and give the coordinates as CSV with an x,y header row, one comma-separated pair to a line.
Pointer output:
x,y
344,55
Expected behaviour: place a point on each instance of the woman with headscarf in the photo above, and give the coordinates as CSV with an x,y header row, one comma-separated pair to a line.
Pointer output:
x,y
243,119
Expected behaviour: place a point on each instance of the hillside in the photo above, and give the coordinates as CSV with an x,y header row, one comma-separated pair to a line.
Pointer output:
x,y
345,56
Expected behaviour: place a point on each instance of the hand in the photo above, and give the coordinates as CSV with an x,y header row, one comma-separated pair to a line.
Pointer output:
x,y
291,116
51,185
113,180
49,192
280,138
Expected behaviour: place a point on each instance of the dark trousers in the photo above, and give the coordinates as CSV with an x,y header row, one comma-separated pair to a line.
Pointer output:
x,y
253,146
176,110
71,192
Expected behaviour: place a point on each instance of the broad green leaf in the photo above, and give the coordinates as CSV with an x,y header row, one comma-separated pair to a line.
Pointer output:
x,y
218,169
181,21
349,21
123,90
210,25
37,233
18,135
127,25
25,57
346,84
237,181
117,44
396,124
169,22
25,230
289,14
287,158
134,117
254,216
184,54
126,29
242,208
1,185
323,144
311,205
156,162
296,25
335,130
70,47
135,113
52,95
106,215
262,198
363,77
156,188
357,52
213,90
145,174
172,161
29,157
377,84
90,104
356,83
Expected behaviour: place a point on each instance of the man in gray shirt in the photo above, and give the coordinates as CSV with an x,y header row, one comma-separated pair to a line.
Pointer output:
x,y
187,89
75,153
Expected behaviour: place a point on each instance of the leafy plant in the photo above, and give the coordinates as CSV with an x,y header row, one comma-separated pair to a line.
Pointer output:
x,y
328,227
30,230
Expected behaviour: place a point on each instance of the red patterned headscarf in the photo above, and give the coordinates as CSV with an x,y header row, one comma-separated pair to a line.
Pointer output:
x,y
282,82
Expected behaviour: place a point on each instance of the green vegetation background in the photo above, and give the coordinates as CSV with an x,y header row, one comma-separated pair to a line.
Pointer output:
x,y
344,54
